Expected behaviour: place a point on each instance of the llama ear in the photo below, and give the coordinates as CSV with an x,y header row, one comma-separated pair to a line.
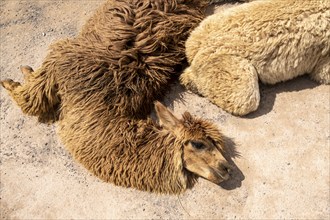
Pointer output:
x,y
166,118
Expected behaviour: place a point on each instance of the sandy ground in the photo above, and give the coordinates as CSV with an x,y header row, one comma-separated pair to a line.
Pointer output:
x,y
282,170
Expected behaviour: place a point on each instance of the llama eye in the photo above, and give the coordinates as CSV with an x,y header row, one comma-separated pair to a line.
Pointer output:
x,y
198,145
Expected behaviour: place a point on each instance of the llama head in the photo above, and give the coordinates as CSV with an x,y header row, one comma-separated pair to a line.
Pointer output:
x,y
202,144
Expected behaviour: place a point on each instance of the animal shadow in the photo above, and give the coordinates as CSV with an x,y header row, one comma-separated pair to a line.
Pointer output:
x,y
268,93
174,94
221,5
236,176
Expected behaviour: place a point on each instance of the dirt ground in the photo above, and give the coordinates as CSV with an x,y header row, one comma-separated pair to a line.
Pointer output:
x,y
282,166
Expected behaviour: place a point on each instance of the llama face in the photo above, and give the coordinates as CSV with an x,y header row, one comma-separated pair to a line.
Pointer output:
x,y
201,144
202,157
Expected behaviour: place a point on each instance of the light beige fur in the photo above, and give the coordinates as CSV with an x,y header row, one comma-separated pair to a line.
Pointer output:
x,y
267,40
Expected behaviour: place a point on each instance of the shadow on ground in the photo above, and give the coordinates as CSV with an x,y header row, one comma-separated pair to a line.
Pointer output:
x,y
268,93
237,176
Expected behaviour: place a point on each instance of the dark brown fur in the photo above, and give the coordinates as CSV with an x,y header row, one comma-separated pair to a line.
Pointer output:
x,y
103,82
127,53
135,153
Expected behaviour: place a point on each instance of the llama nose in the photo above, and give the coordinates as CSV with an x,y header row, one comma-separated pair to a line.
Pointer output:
x,y
226,167
228,170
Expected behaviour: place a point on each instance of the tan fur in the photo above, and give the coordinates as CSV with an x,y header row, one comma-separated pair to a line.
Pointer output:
x,y
101,85
126,49
141,154
267,40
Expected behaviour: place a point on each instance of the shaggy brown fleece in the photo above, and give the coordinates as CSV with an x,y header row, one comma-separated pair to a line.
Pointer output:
x,y
133,153
127,53
103,82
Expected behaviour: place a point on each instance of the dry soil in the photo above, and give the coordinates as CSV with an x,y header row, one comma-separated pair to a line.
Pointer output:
x,y
281,151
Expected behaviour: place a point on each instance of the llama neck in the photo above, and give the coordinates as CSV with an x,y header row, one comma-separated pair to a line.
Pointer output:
x,y
129,153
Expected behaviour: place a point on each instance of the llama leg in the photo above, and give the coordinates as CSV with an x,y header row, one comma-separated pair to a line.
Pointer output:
x,y
27,71
9,84
186,79
321,72
228,81
36,97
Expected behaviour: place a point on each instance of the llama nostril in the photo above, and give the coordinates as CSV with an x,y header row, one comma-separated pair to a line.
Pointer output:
x,y
228,171
227,168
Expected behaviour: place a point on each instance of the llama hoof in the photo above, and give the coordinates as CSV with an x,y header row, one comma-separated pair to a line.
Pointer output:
x,y
9,84
26,70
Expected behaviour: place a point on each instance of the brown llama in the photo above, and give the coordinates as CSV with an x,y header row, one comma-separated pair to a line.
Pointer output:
x,y
131,50
101,85
143,155
140,153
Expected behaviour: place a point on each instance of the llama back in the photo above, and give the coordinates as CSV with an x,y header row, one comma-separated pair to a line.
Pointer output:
x,y
297,41
266,40
126,55
130,51
288,31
